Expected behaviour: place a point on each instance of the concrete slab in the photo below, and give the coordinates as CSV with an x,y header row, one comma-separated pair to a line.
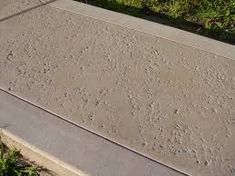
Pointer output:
x,y
173,34
80,152
167,101
11,7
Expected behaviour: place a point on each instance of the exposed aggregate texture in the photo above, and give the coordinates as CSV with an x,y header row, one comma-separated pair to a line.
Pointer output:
x,y
171,102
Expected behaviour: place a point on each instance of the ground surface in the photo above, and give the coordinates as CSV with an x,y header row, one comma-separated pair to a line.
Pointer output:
x,y
90,154
171,102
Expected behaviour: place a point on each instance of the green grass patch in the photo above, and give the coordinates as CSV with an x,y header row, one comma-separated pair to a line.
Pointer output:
x,y
13,164
212,18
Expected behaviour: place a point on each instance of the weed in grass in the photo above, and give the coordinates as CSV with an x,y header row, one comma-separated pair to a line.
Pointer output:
x,y
11,163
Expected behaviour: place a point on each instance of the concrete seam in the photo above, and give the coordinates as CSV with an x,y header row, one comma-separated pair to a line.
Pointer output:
x,y
95,133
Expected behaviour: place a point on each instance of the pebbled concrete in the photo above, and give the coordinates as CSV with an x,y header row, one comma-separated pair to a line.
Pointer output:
x,y
86,154
151,28
12,7
170,102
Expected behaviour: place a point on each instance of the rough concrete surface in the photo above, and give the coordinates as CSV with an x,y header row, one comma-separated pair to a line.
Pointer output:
x,y
151,28
171,102
67,149
12,7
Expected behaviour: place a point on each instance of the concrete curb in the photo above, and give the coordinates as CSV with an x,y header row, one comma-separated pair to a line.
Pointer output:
x,y
56,167
67,149
148,27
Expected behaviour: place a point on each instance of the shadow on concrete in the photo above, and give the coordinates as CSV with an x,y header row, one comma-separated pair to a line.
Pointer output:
x,y
26,10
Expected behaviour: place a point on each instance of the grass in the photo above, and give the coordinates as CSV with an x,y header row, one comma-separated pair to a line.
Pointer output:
x,y
13,164
212,18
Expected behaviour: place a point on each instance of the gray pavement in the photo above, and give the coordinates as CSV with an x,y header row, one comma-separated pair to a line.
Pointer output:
x,y
13,7
170,102
90,154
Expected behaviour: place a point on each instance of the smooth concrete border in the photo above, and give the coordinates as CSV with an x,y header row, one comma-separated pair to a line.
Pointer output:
x,y
54,166
63,147
159,30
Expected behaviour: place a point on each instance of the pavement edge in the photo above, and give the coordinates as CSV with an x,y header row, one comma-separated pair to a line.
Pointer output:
x,y
148,27
41,158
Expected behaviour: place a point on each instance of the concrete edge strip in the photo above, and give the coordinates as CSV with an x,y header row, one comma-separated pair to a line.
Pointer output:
x,y
148,27
49,120
54,165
